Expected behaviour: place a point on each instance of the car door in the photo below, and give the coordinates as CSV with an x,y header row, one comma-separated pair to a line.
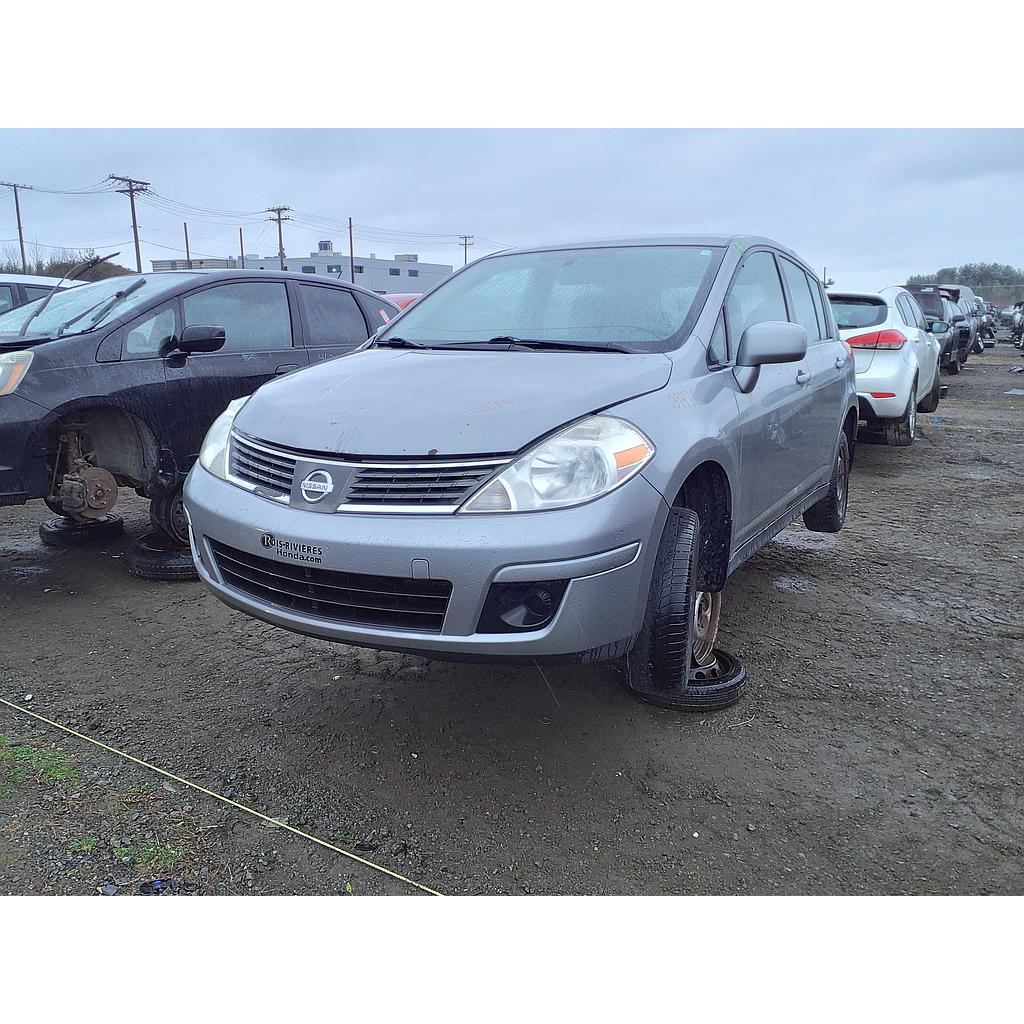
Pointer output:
x,y
772,426
260,330
928,347
333,323
824,366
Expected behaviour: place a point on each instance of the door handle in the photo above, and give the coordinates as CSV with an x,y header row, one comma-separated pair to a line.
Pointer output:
x,y
802,377
286,368
840,362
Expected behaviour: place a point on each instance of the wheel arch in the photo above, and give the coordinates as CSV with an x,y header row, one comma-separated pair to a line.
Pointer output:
x,y
708,492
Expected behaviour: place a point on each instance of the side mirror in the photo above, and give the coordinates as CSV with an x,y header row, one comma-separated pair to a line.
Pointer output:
x,y
773,341
201,338
939,327
958,318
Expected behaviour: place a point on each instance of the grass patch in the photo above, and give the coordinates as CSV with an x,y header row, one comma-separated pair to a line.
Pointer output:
x,y
48,765
86,845
150,856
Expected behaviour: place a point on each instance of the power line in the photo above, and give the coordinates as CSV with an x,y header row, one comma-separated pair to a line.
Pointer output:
x,y
17,213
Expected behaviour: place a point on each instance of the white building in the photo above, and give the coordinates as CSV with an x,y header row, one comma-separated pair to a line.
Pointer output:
x,y
404,273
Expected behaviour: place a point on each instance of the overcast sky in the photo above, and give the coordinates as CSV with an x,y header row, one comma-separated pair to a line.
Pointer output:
x,y
872,206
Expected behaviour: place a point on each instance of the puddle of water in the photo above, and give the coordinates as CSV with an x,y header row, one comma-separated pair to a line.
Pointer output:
x,y
23,573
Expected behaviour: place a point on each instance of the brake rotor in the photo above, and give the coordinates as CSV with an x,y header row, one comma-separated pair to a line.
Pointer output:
x,y
707,611
100,491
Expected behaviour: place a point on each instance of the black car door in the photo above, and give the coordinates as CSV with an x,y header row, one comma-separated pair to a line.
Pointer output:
x,y
332,320
260,328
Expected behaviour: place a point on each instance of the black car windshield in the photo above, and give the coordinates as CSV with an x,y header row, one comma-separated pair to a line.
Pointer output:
x,y
634,297
92,304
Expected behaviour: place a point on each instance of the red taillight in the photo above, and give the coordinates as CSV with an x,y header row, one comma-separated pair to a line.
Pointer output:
x,y
879,339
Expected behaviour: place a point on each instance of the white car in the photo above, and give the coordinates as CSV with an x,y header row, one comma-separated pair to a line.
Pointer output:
x,y
897,359
17,289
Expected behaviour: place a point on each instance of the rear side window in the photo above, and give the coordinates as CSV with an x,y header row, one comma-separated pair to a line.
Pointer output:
x,y
35,291
378,311
6,297
915,312
254,314
855,311
756,295
333,318
803,304
819,307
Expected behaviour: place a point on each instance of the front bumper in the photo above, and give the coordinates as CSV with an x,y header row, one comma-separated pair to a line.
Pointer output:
x,y
605,549
22,457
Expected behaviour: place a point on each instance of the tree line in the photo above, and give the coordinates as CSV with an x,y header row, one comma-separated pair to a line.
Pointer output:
x,y
57,263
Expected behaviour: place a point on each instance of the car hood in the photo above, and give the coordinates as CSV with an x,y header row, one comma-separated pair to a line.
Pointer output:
x,y
390,402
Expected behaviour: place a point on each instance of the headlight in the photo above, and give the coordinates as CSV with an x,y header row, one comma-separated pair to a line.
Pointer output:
x,y
13,367
586,459
213,456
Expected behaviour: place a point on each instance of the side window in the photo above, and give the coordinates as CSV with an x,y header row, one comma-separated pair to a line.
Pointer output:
x,y
333,317
378,311
6,297
35,291
803,305
718,348
755,296
824,327
146,336
254,314
906,311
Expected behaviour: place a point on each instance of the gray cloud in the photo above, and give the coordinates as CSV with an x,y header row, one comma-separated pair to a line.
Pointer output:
x,y
873,206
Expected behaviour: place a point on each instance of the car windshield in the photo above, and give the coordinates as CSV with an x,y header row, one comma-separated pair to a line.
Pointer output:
x,y
634,297
85,307
853,311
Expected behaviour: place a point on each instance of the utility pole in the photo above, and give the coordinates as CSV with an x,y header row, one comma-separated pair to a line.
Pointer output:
x,y
279,215
188,255
17,213
131,187
351,254
241,250
465,241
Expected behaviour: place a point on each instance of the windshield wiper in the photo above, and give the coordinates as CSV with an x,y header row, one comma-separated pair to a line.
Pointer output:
x,y
106,306
398,343
76,269
565,346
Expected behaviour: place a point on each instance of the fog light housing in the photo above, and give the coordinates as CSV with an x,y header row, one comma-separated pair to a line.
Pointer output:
x,y
520,607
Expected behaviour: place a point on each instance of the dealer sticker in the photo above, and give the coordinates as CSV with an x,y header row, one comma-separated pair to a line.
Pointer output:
x,y
293,550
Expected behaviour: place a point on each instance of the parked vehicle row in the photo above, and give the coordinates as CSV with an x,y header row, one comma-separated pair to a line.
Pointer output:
x,y
17,289
558,453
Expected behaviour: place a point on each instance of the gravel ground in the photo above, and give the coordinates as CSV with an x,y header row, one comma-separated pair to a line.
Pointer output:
x,y
877,750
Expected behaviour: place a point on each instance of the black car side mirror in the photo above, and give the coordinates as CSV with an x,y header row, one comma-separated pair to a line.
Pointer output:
x,y
959,318
201,338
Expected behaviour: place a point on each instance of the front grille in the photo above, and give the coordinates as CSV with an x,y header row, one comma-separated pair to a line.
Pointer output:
x,y
445,484
387,601
269,470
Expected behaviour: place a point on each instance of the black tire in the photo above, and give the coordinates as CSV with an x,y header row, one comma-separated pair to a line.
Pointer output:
x,y
931,402
155,557
657,667
717,687
829,514
55,506
64,532
167,514
900,433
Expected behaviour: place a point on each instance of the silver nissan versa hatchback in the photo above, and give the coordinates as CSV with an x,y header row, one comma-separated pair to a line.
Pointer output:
x,y
558,453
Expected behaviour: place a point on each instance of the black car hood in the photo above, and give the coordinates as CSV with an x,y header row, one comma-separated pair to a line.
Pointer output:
x,y
391,402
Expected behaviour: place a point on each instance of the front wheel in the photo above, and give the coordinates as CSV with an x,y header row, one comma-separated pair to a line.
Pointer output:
x,y
829,514
167,514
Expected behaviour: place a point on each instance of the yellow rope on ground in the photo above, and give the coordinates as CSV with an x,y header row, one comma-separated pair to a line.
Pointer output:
x,y
223,799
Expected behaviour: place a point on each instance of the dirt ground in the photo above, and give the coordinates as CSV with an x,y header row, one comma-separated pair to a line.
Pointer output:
x,y
878,748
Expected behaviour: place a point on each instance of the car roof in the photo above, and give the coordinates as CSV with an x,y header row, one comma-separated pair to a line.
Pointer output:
x,y
717,241
35,279
263,275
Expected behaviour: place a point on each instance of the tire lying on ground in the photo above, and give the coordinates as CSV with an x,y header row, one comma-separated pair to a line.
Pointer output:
x,y
155,557
64,532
